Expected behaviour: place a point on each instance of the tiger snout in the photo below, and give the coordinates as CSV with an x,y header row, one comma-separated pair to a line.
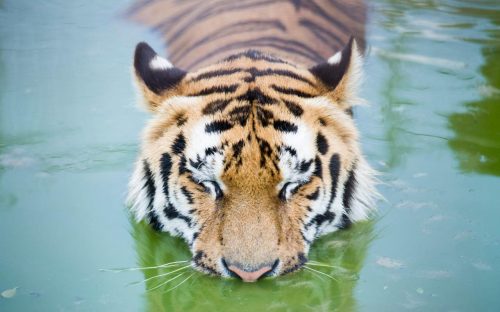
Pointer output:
x,y
250,241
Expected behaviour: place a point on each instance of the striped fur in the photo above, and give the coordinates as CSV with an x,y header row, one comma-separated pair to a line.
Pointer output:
x,y
252,158
199,32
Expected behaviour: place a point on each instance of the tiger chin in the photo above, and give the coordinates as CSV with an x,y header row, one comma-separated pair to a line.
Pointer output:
x,y
251,159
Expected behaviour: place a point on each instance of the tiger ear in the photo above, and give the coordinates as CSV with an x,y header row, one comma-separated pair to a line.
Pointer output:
x,y
156,77
341,75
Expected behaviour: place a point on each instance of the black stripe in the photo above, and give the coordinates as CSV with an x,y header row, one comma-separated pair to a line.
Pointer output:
x,y
171,213
187,194
151,191
265,151
238,148
305,165
181,120
284,126
211,150
256,95
149,184
321,143
294,108
198,261
215,73
179,144
291,91
318,167
173,20
319,11
182,165
213,10
290,150
319,219
218,191
349,188
282,193
216,89
215,106
266,42
347,10
345,222
218,126
230,30
314,195
279,72
334,167
255,56
321,33
264,116
240,114
165,171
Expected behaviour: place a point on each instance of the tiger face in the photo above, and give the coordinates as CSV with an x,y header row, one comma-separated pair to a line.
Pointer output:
x,y
251,159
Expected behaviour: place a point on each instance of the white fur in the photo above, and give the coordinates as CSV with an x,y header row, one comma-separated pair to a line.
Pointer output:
x,y
302,142
213,165
365,195
137,197
335,59
159,63
354,77
138,201
176,227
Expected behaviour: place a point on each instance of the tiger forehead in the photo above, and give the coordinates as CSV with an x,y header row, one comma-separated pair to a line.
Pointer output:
x,y
265,73
268,88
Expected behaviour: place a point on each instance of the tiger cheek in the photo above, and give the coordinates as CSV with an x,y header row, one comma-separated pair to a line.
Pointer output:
x,y
207,247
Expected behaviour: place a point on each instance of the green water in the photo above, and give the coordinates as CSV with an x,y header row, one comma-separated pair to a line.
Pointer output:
x,y
69,133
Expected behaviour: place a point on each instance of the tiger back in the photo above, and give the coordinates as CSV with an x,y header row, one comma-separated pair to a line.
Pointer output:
x,y
199,33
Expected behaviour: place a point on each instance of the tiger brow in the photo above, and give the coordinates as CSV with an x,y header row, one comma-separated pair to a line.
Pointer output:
x,y
216,73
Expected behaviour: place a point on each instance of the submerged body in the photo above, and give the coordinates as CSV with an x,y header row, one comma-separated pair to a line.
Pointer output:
x,y
200,33
252,158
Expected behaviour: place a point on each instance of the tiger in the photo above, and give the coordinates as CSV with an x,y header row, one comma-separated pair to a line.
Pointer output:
x,y
252,151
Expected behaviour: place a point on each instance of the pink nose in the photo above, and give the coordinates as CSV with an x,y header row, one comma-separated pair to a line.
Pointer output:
x,y
249,276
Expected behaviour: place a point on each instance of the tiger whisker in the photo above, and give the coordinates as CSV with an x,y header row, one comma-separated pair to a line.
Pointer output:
x,y
318,262
185,280
160,275
173,263
326,265
319,272
166,282
314,273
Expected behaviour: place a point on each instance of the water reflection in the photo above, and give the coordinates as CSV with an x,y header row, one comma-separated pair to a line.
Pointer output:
x,y
429,50
301,291
477,131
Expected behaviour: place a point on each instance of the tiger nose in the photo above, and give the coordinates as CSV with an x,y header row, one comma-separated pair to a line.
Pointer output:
x,y
249,276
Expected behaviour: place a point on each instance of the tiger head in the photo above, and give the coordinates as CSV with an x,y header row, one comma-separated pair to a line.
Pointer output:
x,y
249,160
